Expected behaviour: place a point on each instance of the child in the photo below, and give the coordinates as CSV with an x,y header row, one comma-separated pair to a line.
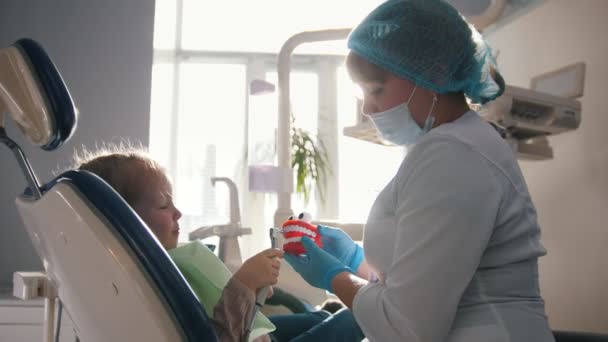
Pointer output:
x,y
143,184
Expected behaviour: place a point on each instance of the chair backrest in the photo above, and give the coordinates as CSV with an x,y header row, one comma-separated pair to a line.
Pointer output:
x,y
113,277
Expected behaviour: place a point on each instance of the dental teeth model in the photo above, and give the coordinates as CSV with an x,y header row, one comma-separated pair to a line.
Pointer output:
x,y
294,229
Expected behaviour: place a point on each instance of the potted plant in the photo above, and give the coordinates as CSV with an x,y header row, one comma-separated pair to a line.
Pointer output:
x,y
308,158
310,162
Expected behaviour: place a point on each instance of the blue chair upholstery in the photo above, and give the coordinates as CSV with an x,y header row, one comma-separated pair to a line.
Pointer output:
x,y
53,87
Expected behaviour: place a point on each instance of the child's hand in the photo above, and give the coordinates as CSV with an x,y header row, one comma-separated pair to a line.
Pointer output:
x,y
260,270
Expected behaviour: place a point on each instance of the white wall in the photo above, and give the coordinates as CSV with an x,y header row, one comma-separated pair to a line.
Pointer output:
x,y
104,51
570,191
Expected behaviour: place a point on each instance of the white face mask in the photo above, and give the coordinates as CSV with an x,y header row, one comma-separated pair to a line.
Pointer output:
x,y
397,125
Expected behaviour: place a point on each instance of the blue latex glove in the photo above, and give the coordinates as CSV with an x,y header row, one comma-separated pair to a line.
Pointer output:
x,y
337,243
317,267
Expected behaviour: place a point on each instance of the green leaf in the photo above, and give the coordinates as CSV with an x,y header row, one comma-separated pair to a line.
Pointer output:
x,y
310,162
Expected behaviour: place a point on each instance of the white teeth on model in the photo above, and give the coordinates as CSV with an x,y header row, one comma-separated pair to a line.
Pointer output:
x,y
300,230
293,239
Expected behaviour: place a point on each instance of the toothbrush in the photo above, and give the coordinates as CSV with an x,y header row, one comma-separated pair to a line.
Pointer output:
x,y
261,297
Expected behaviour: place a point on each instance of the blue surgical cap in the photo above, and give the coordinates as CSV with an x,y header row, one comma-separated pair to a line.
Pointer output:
x,y
429,43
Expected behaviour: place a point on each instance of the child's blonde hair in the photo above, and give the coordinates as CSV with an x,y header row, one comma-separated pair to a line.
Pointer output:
x,y
125,167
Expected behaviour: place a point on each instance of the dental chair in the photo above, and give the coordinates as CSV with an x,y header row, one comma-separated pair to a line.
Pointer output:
x,y
102,264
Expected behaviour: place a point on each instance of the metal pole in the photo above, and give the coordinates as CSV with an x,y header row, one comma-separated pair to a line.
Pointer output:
x,y
284,125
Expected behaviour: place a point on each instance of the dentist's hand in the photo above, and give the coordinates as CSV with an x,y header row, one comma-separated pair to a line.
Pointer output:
x,y
317,267
337,243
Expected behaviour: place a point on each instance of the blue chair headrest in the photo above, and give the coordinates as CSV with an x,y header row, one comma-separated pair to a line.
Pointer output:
x,y
54,90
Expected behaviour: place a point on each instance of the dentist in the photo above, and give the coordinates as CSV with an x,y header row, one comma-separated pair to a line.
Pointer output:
x,y
452,242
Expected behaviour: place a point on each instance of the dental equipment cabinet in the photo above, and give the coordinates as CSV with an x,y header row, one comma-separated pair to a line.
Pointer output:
x,y
26,320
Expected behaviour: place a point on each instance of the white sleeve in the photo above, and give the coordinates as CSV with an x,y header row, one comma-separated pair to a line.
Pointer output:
x,y
446,208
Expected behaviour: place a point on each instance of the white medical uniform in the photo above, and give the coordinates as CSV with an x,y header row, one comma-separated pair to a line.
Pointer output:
x,y
454,240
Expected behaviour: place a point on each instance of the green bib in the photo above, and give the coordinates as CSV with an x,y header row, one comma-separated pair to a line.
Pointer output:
x,y
208,276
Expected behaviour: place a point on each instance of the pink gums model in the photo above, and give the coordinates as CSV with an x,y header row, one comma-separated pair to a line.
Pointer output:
x,y
294,229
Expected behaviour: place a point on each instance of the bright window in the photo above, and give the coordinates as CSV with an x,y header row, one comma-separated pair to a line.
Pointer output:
x,y
210,139
365,168
264,25
205,124
305,104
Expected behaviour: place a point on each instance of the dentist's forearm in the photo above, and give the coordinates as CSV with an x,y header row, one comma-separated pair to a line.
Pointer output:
x,y
345,285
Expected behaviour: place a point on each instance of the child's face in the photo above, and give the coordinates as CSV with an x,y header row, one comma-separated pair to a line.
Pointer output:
x,y
156,208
